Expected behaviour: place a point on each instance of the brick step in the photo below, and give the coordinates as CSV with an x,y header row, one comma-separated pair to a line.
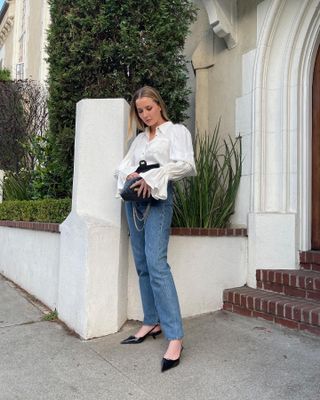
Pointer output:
x,y
310,260
293,313
297,283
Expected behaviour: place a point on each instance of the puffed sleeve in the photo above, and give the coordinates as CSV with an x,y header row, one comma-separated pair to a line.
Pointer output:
x,y
181,163
181,148
126,166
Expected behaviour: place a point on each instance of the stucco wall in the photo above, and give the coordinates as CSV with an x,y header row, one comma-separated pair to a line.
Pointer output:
x,y
35,25
221,80
34,40
225,77
202,268
198,31
8,51
31,259
219,85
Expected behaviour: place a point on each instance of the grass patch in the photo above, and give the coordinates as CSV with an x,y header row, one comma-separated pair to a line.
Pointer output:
x,y
52,316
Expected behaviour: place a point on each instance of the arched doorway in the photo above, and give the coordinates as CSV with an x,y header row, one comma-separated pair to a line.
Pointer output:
x,y
280,221
315,234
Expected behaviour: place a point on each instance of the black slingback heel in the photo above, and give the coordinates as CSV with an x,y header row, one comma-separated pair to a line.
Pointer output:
x,y
168,364
137,340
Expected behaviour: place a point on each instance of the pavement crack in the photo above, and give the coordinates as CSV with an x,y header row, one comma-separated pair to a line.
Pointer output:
x,y
120,372
19,324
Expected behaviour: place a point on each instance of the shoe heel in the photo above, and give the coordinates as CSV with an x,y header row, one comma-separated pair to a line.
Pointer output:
x,y
154,335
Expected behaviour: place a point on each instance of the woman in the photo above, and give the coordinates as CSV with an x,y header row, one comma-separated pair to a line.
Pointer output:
x,y
170,146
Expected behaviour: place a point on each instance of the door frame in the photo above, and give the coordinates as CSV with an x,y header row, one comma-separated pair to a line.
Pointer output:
x,y
315,187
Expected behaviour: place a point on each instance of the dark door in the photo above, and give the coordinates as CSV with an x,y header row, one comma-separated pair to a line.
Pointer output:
x,y
315,234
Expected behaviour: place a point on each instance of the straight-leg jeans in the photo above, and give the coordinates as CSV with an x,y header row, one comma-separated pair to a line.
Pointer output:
x,y
149,246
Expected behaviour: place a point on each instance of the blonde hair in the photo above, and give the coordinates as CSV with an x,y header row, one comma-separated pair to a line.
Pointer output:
x,y
134,119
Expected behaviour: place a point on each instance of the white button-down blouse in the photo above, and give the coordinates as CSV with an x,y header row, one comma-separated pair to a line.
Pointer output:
x,y
171,147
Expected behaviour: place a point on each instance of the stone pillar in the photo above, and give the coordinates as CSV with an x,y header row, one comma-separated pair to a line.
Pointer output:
x,y
271,243
92,297
203,61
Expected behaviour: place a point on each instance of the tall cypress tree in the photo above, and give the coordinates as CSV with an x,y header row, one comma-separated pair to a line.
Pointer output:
x,y
108,49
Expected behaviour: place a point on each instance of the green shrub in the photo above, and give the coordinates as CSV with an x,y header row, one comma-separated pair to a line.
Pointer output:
x,y
23,141
12,126
5,74
48,210
108,49
208,199
16,186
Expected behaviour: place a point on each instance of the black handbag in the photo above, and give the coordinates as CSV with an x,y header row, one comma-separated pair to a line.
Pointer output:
x,y
130,194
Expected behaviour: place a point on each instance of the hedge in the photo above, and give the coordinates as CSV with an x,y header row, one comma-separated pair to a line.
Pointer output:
x,y
47,210
109,49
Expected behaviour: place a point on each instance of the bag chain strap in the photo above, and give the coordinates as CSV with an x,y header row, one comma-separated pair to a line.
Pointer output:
x,y
142,219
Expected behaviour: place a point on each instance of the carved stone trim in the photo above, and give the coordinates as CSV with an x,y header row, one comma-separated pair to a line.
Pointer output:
x,y
221,23
5,30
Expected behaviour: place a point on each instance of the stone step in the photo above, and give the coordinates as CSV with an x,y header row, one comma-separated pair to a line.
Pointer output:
x,y
297,283
310,260
294,313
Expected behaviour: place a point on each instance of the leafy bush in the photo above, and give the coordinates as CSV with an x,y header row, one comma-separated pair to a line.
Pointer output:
x,y
12,127
23,140
4,74
23,121
34,103
48,210
208,199
16,186
108,49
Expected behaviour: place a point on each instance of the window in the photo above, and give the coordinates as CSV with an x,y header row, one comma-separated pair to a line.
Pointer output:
x,y
20,71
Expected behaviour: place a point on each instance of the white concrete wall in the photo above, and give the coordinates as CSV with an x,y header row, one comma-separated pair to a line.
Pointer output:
x,y
84,272
94,241
271,243
31,259
202,268
243,121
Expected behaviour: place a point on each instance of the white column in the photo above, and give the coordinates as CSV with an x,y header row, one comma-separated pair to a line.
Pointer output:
x,y
272,218
279,223
92,297
271,243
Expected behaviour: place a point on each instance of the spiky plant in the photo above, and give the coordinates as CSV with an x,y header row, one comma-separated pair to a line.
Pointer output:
x,y
208,199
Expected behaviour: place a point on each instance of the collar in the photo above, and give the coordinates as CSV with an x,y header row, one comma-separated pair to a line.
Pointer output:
x,y
162,129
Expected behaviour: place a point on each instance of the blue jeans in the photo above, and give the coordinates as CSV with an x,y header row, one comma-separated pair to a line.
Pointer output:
x,y
149,246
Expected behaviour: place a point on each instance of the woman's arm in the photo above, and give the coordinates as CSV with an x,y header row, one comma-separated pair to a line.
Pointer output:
x,y
157,179
126,167
181,163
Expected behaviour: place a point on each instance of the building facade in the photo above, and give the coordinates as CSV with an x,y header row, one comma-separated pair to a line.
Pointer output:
x,y
256,64
23,32
252,63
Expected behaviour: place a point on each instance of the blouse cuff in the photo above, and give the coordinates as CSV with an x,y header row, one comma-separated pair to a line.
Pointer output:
x,y
158,178
122,176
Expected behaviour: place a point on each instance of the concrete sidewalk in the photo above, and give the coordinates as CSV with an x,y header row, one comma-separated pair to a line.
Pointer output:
x,y
225,357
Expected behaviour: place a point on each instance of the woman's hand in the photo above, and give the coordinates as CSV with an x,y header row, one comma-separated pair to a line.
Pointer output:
x,y
142,187
133,175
